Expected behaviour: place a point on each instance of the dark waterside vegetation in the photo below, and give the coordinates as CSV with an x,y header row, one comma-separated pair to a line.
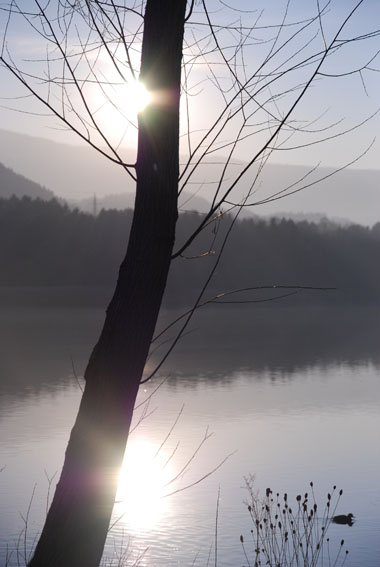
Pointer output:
x,y
44,243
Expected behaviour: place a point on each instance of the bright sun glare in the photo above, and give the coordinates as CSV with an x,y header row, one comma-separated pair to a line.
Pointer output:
x,y
116,109
137,96
143,476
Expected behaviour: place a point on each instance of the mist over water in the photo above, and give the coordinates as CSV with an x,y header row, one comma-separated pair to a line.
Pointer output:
x,y
292,393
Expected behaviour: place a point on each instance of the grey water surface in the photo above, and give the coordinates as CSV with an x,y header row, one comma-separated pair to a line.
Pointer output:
x,y
288,394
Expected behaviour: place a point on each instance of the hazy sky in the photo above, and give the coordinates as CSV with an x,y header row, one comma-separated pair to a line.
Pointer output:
x,y
347,100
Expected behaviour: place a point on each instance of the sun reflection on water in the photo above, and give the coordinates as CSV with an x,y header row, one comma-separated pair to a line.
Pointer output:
x,y
140,498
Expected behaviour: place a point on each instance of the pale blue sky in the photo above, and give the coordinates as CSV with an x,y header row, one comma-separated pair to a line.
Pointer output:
x,y
350,99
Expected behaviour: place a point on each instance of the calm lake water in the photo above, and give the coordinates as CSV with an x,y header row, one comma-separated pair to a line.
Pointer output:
x,y
289,395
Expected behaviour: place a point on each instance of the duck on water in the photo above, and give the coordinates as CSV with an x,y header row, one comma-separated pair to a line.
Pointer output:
x,y
344,519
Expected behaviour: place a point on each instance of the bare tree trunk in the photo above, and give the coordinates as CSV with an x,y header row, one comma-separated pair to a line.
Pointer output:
x,y
76,526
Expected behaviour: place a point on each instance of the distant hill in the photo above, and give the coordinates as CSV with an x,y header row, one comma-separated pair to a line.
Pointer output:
x,y
12,183
78,172
72,172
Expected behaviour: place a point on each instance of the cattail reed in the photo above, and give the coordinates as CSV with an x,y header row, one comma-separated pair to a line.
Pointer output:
x,y
286,536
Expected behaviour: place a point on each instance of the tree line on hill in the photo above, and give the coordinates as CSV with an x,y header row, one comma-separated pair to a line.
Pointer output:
x,y
45,243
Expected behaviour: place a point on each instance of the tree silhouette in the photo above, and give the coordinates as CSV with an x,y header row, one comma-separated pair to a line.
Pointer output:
x,y
257,98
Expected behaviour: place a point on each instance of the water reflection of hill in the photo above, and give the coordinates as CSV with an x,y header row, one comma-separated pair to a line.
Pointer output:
x,y
38,341
37,347
279,340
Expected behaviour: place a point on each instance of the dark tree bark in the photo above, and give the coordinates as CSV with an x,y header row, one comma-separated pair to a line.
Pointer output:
x,y
76,526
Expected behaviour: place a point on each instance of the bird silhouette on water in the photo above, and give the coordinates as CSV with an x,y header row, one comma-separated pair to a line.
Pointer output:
x,y
344,519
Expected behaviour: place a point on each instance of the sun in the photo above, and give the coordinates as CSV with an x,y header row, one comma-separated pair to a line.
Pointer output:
x,y
137,96
115,108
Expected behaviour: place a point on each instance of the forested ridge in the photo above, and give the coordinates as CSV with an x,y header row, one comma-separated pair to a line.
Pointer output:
x,y
45,243
12,183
